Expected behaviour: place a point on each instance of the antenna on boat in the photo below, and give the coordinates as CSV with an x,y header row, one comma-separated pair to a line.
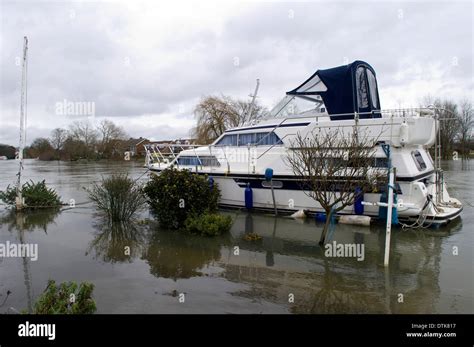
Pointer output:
x,y
23,103
254,96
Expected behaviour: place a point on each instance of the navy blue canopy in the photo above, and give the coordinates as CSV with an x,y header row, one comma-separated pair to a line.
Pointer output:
x,y
344,89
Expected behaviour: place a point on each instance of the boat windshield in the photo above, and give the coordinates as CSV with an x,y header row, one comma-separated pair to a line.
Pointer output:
x,y
291,106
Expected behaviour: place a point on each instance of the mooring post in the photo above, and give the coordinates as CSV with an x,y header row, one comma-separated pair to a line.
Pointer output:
x,y
389,216
269,178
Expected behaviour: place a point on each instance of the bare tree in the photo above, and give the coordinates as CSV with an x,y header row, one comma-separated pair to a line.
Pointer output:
x,y
216,114
84,132
449,126
245,116
111,136
466,123
57,139
331,165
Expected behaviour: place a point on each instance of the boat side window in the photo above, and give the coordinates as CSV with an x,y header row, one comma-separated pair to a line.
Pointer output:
x,y
259,139
200,161
267,139
188,161
373,89
228,140
246,139
361,85
419,162
381,162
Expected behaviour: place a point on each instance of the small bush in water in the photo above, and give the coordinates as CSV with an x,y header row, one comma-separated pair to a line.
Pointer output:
x,y
174,195
36,195
208,224
117,197
66,298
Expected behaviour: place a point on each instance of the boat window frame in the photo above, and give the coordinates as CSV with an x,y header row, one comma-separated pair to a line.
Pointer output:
x,y
372,85
276,140
419,160
361,79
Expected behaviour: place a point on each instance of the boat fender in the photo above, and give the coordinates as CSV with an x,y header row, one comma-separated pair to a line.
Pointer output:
x,y
248,197
359,197
320,217
299,214
404,138
355,220
268,174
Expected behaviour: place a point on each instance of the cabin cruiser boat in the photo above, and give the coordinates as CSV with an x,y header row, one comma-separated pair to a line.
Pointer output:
x,y
343,97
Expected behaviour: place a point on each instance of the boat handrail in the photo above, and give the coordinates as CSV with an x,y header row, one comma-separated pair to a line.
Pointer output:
x,y
275,144
386,113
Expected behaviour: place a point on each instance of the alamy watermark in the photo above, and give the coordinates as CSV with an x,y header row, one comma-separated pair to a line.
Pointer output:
x,y
345,250
239,155
16,250
75,108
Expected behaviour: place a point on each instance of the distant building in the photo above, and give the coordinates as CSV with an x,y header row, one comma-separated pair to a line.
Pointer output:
x,y
136,146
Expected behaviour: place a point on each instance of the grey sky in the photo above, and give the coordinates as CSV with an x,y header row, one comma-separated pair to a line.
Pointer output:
x,y
145,65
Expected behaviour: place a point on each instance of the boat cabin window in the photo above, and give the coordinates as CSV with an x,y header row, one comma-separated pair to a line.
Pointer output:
x,y
381,162
228,140
198,161
419,162
373,89
259,139
361,85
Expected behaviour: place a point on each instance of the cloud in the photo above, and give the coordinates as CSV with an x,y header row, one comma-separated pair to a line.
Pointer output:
x,y
146,64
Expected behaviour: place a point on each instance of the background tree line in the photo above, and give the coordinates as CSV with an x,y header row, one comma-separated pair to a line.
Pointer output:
x,y
456,126
214,115
80,141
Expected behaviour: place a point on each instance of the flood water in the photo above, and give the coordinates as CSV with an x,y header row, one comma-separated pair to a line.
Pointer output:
x,y
74,244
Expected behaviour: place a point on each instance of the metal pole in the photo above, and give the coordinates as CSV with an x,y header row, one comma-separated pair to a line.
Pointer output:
x,y
252,104
389,217
273,197
19,197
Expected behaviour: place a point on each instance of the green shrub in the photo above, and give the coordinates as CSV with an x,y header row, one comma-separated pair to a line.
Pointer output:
x,y
36,195
174,195
66,298
208,224
118,197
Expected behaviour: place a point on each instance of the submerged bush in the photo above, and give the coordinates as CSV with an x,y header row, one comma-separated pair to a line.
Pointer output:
x,y
66,298
174,195
118,197
36,195
208,224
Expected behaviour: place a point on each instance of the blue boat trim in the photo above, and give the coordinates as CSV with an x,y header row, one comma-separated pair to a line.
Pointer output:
x,y
270,126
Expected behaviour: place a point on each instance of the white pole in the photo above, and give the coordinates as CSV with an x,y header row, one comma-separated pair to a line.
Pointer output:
x,y
389,217
254,96
19,198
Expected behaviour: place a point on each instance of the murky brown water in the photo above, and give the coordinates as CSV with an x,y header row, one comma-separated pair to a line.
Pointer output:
x,y
76,245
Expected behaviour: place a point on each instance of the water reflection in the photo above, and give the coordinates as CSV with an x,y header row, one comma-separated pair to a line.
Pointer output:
x,y
29,220
177,255
337,285
117,242
20,223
